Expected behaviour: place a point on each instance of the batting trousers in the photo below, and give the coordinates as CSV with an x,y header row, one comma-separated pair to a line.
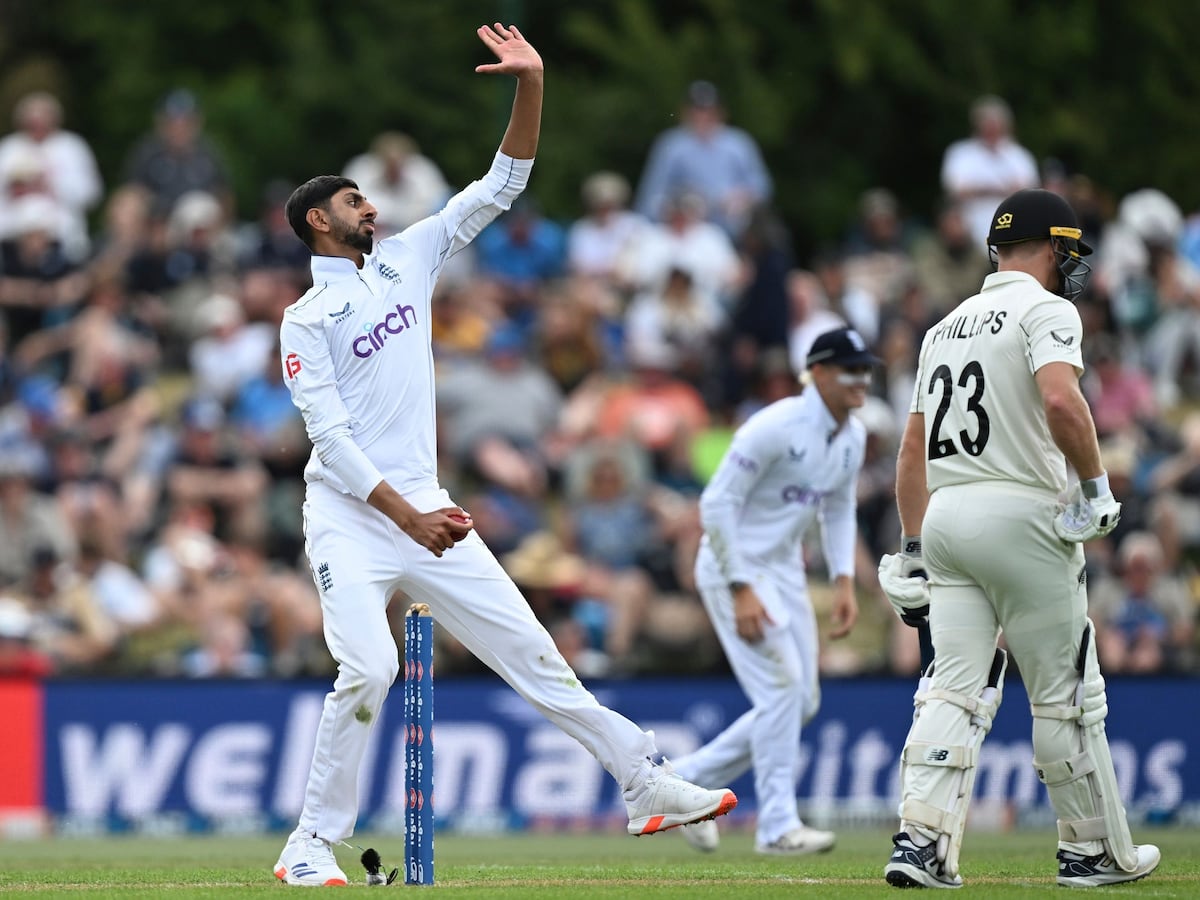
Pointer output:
x,y
995,565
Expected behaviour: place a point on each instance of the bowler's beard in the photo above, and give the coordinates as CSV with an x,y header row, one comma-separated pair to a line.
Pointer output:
x,y
350,234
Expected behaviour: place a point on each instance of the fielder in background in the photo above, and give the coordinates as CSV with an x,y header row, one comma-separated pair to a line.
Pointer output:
x,y
792,463
996,415
358,361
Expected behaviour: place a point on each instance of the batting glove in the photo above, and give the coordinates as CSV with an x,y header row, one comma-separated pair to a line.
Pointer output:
x,y
1090,512
903,579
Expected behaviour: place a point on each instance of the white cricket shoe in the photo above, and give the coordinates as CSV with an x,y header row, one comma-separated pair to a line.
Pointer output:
x,y
308,861
704,836
1075,870
799,841
664,800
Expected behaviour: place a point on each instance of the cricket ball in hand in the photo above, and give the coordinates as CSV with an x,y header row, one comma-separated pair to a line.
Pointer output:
x,y
460,517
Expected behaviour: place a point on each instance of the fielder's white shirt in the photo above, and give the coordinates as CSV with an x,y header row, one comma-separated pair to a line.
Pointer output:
x,y
975,385
788,464
356,348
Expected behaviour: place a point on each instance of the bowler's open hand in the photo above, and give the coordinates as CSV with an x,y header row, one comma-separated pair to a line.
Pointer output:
x,y
516,55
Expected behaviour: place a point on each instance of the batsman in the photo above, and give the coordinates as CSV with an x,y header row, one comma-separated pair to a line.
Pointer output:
x,y
982,489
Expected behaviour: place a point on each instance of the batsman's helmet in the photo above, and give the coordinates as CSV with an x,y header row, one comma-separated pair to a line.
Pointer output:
x,y
1039,215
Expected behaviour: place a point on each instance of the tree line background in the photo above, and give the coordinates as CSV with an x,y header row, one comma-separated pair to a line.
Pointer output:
x,y
842,95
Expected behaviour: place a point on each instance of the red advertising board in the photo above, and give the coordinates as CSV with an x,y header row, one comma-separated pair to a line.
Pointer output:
x,y
21,755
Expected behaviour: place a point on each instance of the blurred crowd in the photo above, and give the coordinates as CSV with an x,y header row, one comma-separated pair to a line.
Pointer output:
x,y
591,372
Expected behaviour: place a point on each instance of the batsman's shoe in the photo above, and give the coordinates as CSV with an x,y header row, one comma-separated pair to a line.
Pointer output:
x,y
704,836
1075,870
308,861
664,800
913,866
799,841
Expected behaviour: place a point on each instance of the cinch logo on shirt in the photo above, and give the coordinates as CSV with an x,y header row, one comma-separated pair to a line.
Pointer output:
x,y
794,493
377,333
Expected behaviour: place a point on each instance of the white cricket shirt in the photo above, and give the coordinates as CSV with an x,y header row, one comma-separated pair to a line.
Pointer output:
x,y
356,347
975,385
788,464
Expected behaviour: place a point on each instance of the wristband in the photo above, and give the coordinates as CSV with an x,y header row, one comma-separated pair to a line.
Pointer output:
x,y
910,545
1095,487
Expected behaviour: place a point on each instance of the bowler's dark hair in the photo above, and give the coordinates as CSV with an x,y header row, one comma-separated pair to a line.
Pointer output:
x,y
314,192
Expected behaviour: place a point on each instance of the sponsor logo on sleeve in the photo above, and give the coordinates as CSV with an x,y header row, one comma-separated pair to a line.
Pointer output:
x,y
291,365
1062,340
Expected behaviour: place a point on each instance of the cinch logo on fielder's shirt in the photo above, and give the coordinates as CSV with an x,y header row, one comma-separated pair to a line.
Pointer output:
x,y
794,493
377,333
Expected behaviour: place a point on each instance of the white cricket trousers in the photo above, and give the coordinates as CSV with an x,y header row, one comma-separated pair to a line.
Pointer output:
x,y
779,676
359,559
994,562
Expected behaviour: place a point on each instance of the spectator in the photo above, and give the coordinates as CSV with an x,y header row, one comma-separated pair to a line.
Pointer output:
x,y
227,351
68,624
949,264
519,253
404,186
597,240
67,168
809,316
178,157
654,407
225,651
39,285
269,242
681,315
108,368
497,413
633,535
1144,619
28,520
119,592
211,469
705,155
852,298
270,429
187,258
983,169
877,258
1121,395
759,319
461,319
576,316
685,241
19,657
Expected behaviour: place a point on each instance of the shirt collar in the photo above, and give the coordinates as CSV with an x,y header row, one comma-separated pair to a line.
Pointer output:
x,y
827,425
999,279
332,268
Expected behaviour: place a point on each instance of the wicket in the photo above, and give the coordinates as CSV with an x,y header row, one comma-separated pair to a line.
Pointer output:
x,y
418,749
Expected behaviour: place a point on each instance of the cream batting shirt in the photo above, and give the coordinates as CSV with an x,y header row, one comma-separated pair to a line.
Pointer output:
x,y
975,385
356,347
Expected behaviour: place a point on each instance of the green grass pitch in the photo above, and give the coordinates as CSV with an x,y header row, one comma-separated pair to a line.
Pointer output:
x,y
564,866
